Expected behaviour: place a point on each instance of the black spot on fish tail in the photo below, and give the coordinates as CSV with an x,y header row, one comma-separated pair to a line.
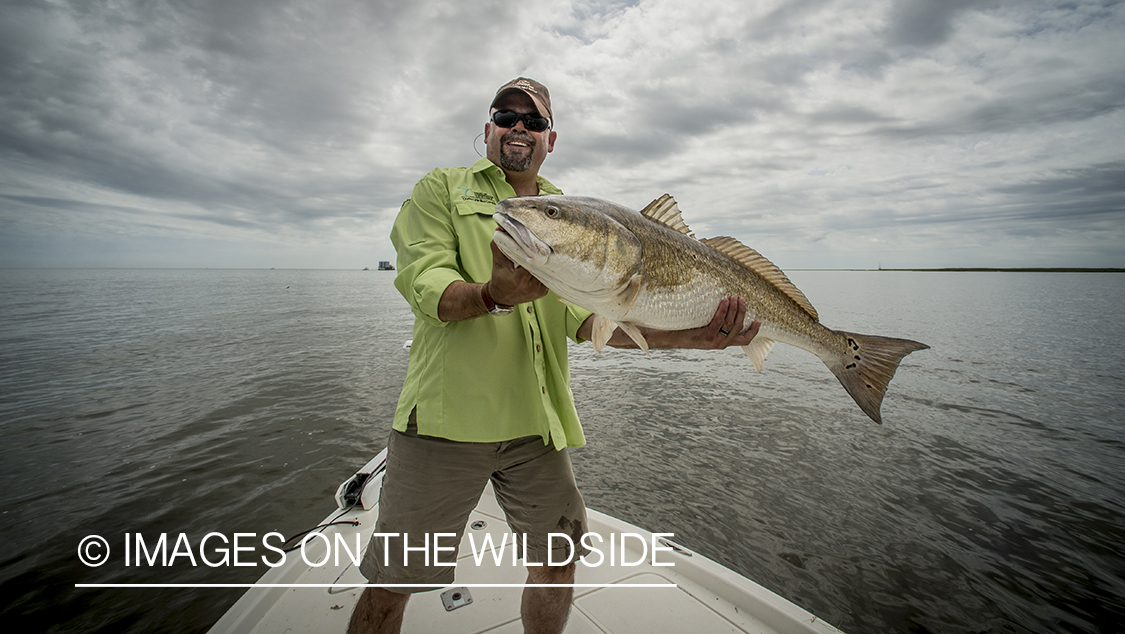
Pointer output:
x,y
867,377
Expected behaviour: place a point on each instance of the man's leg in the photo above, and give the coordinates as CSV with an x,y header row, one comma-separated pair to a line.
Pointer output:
x,y
544,610
537,491
378,611
430,486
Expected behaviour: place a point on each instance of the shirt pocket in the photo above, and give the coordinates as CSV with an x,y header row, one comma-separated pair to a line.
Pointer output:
x,y
475,226
471,208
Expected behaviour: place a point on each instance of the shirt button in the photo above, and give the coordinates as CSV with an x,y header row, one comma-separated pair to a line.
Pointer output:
x,y
544,389
529,309
538,348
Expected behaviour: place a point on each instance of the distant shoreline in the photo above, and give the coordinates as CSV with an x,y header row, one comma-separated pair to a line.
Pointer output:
x,y
983,270
941,270
1014,270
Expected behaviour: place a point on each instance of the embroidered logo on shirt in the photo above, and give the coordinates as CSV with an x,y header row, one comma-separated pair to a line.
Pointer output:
x,y
477,197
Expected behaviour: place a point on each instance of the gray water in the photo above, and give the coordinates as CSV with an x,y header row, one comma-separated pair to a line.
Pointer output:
x,y
990,500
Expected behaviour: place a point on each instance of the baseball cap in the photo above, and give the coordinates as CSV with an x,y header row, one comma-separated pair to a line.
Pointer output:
x,y
537,91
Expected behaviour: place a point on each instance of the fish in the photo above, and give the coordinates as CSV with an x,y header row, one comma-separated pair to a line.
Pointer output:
x,y
646,268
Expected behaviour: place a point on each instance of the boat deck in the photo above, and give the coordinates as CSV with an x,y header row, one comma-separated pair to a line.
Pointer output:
x,y
694,594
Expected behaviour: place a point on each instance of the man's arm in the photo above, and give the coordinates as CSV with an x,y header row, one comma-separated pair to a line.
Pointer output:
x,y
510,285
730,316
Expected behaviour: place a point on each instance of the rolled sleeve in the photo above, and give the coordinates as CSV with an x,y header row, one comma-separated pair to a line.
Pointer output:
x,y
575,317
426,242
427,288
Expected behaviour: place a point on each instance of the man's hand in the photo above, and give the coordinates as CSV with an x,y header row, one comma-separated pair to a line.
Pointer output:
x,y
510,284
725,329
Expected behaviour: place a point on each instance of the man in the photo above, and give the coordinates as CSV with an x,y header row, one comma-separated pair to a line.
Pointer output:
x,y
487,394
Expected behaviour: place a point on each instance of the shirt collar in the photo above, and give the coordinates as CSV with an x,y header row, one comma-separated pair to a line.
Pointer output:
x,y
485,166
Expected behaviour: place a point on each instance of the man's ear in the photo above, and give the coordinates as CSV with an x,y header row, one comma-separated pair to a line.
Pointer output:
x,y
550,141
487,130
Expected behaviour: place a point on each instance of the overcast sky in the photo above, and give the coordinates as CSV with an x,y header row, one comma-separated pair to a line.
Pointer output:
x,y
825,134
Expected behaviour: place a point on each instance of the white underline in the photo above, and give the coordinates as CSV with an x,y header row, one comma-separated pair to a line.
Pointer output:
x,y
375,585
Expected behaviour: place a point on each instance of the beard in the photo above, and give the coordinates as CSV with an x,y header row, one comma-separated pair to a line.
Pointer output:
x,y
512,161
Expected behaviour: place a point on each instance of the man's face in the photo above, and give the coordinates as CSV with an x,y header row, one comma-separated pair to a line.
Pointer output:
x,y
518,149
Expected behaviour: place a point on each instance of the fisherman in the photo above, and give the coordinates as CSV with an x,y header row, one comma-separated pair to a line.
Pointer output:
x,y
487,392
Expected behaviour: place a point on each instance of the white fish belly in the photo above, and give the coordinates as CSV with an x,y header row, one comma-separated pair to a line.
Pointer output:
x,y
687,306
694,304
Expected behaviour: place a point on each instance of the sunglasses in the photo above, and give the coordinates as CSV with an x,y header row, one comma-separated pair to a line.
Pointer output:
x,y
508,119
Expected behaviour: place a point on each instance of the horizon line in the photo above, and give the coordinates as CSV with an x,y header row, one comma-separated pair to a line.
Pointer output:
x,y
375,585
938,269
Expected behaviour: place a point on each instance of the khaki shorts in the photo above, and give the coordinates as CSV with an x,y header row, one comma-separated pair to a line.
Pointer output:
x,y
432,484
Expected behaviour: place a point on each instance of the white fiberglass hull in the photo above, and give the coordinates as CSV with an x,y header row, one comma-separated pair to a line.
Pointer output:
x,y
694,594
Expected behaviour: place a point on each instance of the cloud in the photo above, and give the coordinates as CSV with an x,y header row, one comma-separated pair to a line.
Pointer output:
x,y
1071,198
823,132
919,23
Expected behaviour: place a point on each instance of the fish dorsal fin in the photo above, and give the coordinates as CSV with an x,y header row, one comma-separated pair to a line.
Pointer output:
x,y
665,211
760,265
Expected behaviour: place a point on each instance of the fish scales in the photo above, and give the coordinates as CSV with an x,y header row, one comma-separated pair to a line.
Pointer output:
x,y
646,270
686,279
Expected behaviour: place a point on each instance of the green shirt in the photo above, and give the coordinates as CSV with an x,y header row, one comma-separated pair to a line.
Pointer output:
x,y
492,378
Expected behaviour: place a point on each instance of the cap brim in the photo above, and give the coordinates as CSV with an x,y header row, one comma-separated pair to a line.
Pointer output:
x,y
540,107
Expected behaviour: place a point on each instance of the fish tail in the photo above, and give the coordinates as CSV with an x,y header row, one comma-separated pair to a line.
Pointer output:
x,y
868,367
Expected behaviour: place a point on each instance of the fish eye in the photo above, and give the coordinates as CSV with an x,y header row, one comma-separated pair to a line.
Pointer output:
x,y
552,212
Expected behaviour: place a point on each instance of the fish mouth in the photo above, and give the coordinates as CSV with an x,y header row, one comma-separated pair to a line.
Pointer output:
x,y
514,236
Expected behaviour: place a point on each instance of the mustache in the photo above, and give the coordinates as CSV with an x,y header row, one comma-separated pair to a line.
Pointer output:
x,y
515,135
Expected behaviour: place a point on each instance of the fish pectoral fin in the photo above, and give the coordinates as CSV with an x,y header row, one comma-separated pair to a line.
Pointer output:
x,y
603,328
629,297
635,335
758,349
